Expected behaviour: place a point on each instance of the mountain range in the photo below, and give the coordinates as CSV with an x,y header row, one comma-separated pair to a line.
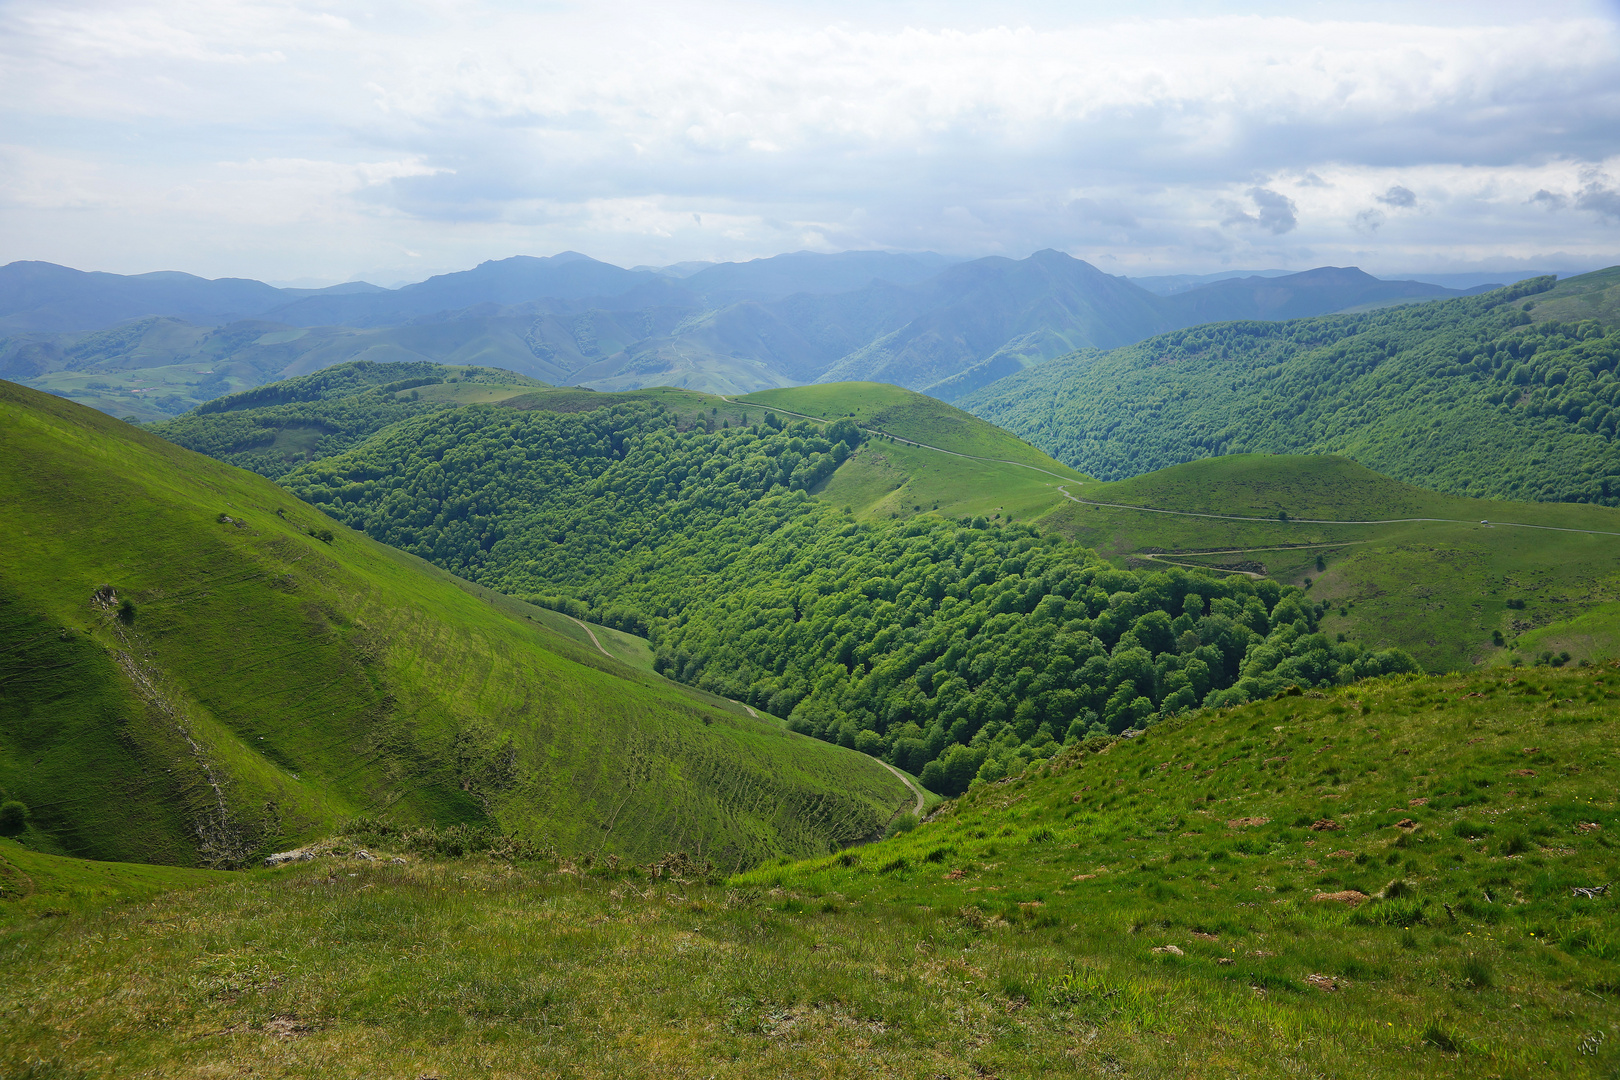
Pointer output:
x,y
155,345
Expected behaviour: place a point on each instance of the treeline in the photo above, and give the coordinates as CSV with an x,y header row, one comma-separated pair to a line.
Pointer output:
x,y
953,648
1464,396
273,429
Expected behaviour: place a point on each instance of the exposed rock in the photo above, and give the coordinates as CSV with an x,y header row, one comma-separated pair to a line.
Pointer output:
x,y
282,858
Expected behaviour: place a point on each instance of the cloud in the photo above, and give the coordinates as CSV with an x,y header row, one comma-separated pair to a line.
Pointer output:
x,y
1276,214
1601,199
648,133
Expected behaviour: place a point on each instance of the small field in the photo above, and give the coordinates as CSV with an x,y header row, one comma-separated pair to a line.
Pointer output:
x,y
1438,589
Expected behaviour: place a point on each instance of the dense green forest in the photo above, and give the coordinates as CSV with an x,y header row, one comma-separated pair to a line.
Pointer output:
x,y
953,648
1467,396
274,428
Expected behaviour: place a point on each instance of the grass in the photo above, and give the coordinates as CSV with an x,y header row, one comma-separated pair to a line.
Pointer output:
x,y
1155,906
268,684
891,479
1589,296
910,415
1435,589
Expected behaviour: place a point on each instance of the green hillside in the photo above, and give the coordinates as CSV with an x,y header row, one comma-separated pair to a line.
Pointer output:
x,y
908,415
1470,396
272,429
1373,881
198,668
1589,296
983,470
1439,589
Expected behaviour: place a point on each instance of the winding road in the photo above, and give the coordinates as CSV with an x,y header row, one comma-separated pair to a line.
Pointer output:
x,y
592,633
906,780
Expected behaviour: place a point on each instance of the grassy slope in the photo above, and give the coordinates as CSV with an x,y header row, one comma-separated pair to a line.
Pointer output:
x,y
1589,296
318,681
910,415
1436,589
892,479
1148,910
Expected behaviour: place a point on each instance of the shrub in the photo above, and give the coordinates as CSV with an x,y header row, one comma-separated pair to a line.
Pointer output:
x,y
126,613
13,817
902,824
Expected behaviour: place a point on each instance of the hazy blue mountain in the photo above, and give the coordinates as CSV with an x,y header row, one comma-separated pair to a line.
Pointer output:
x,y
922,321
41,296
813,272
1170,284
1475,281
1294,296
519,280
1022,311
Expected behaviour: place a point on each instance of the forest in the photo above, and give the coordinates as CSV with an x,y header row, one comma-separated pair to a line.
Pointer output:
x,y
952,648
271,429
1468,396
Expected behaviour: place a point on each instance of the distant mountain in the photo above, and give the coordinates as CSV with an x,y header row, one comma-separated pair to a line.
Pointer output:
x,y
811,272
41,296
518,280
1170,284
922,321
1294,296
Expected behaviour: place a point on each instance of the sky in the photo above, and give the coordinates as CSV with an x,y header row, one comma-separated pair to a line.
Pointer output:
x,y
315,143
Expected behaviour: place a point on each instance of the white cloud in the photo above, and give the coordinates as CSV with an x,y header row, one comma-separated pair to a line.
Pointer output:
x,y
311,139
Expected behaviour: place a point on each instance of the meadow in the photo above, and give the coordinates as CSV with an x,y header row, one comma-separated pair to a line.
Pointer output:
x,y
1380,880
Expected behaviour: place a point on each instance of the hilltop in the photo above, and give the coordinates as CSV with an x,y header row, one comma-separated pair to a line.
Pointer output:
x,y
1469,397
1376,881
200,668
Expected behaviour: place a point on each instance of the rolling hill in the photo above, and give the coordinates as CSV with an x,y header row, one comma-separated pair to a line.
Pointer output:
x,y
198,668
1469,396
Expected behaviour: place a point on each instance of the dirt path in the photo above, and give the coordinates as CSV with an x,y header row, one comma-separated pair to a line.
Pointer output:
x,y
594,641
906,780
591,632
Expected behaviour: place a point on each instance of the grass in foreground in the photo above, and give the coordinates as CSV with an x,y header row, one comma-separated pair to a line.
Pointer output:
x,y
1165,906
